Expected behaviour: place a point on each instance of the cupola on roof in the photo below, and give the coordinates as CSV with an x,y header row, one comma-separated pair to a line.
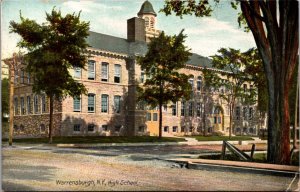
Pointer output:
x,y
146,8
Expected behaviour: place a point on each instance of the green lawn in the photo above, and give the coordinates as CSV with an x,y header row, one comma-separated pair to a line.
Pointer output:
x,y
97,139
221,138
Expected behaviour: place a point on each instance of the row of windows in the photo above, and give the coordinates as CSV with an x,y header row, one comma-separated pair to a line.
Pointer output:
x,y
176,129
247,113
20,76
21,128
191,81
92,127
104,71
92,103
25,105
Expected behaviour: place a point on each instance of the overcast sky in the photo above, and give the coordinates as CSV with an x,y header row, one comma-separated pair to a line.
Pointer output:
x,y
205,35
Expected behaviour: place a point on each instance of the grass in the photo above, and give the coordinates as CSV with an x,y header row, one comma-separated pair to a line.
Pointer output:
x,y
96,139
221,138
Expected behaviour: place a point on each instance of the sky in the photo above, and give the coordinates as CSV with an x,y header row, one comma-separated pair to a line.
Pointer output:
x,y
205,36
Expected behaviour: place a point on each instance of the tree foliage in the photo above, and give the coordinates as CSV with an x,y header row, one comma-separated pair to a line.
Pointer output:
x,y
54,47
230,78
274,25
165,56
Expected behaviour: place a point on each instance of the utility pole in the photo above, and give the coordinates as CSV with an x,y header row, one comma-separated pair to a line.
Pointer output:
x,y
12,66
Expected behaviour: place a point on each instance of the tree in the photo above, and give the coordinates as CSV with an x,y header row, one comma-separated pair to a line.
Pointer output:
x,y
274,25
255,68
230,79
53,48
165,56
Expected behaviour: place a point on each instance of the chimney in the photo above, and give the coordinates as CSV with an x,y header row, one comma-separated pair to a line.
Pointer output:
x,y
136,29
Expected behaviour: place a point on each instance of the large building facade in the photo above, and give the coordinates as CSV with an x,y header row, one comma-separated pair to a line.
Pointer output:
x,y
110,107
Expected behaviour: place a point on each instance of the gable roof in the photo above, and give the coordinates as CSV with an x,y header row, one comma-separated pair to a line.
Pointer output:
x,y
120,45
107,42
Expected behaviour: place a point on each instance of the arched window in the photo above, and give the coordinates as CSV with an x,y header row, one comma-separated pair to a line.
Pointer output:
x,y
147,21
152,22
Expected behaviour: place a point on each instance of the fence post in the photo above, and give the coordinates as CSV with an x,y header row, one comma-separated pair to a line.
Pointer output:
x,y
223,150
252,151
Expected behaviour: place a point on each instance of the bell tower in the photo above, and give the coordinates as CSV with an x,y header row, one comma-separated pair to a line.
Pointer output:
x,y
148,14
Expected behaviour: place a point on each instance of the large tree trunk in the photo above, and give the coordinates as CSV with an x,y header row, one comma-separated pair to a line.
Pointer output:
x,y
51,118
277,40
160,121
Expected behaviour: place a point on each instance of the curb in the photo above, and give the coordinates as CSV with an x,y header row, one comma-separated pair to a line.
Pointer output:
x,y
118,144
234,168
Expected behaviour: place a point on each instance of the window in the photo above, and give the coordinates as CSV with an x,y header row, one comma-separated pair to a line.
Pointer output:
x,y
16,75
191,129
76,128
43,103
28,105
77,72
182,108
21,128
104,72
28,78
91,127
191,81
42,128
152,22
117,104
215,120
182,128
22,105
147,21
91,103
76,104
174,109
142,77
165,108
16,105
104,127
245,87
199,83
245,113
148,116
36,104
250,113
154,116
190,109
175,128
22,76
91,70
104,103
166,128
117,78
141,128
219,120
198,109
117,128
16,128
237,113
